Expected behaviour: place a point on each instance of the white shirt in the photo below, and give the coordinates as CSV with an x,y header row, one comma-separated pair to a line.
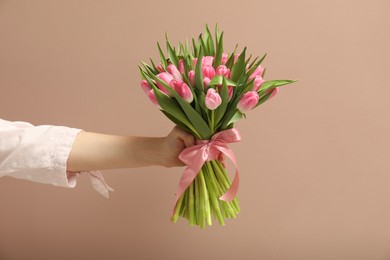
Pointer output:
x,y
40,153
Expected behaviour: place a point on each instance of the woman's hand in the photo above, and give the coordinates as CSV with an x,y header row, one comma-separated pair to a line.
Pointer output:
x,y
173,145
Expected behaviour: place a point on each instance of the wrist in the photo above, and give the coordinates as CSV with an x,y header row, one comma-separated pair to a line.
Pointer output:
x,y
146,151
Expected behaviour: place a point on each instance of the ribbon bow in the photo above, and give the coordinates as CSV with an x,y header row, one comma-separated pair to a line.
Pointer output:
x,y
207,150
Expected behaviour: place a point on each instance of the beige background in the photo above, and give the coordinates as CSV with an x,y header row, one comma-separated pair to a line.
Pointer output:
x,y
314,160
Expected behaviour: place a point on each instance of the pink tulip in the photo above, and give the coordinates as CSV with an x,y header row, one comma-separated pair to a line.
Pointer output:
x,y
183,90
206,82
236,57
145,86
257,83
274,92
248,101
181,66
213,99
152,97
230,92
208,71
222,70
207,61
191,77
257,72
224,58
167,77
174,71
160,68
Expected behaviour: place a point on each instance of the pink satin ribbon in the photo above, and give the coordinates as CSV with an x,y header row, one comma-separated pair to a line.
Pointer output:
x,y
207,150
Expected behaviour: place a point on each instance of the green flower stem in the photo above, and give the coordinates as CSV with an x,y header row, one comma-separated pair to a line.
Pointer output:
x,y
200,200
197,199
213,199
191,205
178,209
212,124
219,167
186,209
224,205
217,188
228,209
224,180
220,175
183,209
206,200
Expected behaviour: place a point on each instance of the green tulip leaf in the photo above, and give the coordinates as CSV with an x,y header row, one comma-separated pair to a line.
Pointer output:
x,y
172,54
218,52
237,116
275,83
254,66
217,80
198,71
202,101
176,121
162,56
220,111
238,69
156,71
195,46
263,98
210,42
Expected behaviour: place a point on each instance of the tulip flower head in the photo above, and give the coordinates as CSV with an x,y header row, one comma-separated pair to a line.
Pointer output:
x,y
257,72
183,90
181,66
206,82
230,91
191,77
213,99
248,101
174,72
160,68
257,83
274,92
207,61
224,58
152,97
222,70
167,78
208,71
145,86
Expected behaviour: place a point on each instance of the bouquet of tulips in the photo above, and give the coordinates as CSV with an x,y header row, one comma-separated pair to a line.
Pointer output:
x,y
204,90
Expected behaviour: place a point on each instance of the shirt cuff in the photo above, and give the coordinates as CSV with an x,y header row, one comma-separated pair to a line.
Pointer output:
x,y
60,157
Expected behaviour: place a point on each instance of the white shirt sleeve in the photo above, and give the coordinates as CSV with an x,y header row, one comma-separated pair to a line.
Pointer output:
x,y
40,154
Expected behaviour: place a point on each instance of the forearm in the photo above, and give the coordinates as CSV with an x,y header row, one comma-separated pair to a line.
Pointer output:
x,y
94,151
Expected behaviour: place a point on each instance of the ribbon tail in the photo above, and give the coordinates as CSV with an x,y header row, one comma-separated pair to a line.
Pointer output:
x,y
189,175
233,189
